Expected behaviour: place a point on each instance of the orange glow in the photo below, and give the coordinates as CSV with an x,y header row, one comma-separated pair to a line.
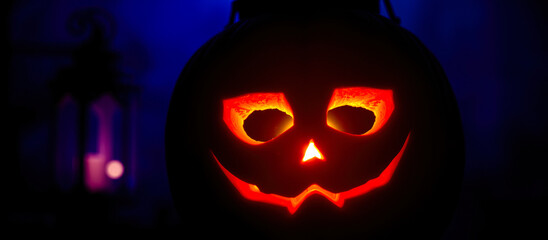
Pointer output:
x,y
236,110
378,101
253,193
312,152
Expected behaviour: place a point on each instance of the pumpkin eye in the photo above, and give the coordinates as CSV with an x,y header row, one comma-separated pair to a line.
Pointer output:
x,y
257,117
359,110
353,120
264,125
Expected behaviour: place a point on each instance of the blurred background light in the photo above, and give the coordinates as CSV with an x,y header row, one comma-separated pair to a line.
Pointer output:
x,y
114,169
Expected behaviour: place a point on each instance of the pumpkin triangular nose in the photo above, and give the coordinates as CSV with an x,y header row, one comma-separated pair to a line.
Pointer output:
x,y
312,152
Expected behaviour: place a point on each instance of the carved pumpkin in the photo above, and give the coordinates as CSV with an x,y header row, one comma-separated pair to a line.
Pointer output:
x,y
325,125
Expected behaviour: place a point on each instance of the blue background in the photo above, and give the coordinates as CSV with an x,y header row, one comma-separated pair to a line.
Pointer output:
x,y
494,53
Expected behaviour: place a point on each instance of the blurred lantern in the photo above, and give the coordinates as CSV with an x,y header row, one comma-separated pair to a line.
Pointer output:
x,y
96,109
314,119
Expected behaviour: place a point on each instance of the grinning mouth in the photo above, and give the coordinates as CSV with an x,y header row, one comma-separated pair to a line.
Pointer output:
x,y
253,193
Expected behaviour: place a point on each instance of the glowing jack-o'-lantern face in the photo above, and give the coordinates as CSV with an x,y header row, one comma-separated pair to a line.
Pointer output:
x,y
289,126
237,110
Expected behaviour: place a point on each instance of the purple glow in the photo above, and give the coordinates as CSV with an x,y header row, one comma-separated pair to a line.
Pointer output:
x,y
96,163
